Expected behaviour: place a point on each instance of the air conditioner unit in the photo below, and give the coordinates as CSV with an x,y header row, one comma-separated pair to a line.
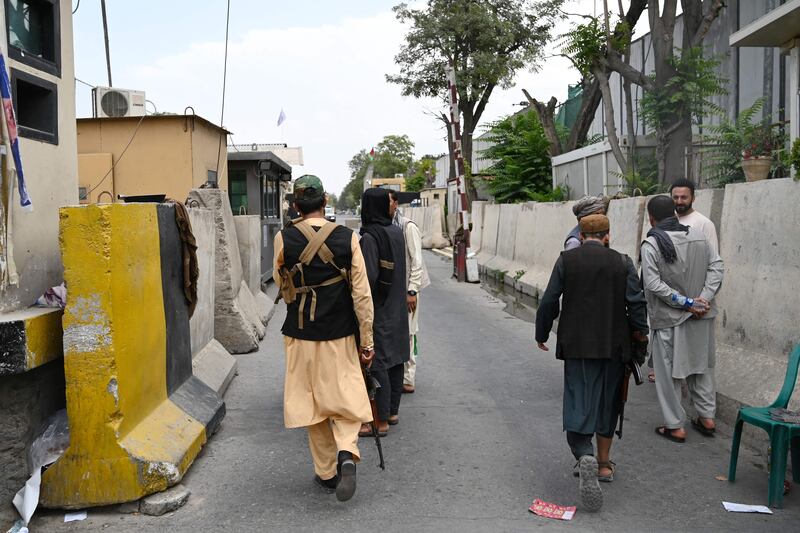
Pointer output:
x,y
113,102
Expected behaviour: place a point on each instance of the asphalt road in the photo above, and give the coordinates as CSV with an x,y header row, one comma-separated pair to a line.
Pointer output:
x,y
478,441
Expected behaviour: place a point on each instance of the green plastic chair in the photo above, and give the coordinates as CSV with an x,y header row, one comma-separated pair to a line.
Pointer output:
x,y
782,435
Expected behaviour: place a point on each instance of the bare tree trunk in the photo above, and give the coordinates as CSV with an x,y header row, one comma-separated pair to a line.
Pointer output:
x,y
547,116
611,127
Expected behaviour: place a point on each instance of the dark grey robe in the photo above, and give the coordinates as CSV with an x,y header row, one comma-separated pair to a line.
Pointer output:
x,y
390,327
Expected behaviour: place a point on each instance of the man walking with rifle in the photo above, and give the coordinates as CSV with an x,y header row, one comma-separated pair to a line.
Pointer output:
x,y
603,310
323,280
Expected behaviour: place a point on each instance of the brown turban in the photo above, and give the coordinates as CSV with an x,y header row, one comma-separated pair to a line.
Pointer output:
x,y
594,224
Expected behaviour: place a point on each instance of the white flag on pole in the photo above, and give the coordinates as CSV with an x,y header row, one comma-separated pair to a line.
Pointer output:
x,y
281,117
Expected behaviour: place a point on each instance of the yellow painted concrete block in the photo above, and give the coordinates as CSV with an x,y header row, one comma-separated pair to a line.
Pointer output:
x,y
127,439
29,338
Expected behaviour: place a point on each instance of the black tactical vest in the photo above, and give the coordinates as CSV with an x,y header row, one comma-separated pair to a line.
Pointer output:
x,y
333,316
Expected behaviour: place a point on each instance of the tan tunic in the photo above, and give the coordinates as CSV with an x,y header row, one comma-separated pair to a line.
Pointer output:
x,y
323,378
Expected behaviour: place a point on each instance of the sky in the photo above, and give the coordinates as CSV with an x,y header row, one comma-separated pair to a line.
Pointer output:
x,y
323,62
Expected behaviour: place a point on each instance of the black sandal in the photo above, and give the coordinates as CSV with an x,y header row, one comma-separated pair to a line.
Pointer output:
x,y
698,425
665,432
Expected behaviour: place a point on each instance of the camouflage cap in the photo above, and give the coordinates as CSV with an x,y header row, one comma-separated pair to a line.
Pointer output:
x,y
308,186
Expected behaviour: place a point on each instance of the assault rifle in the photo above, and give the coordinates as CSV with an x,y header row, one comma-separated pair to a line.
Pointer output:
x,y
372,387
632,368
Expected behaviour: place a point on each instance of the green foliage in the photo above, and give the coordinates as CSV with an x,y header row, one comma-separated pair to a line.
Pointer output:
x,y
686,93
523,171
743,138
424,169
585,44
393,155
794,158
333,200
489,41
641,179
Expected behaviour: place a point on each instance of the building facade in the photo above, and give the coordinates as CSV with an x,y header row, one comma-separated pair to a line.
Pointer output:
x,y
154,154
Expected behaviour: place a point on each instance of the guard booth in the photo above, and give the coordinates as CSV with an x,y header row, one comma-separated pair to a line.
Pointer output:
x,y
254,188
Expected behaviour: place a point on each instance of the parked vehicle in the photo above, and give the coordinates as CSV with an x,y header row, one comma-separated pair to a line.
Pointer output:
x,y
330,214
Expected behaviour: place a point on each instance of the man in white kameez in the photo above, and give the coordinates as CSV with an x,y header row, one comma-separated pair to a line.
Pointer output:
x,y
416,280
682,275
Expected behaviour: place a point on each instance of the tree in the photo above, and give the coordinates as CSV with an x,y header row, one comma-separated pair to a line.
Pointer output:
x,y
522,172
423,173
675,95
333,200
486,41
393,155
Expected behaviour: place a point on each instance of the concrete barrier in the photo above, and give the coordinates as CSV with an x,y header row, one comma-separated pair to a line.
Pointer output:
x,y
248,234
429,221
757,321
211,362
491,224
452,225
29,338
502,265
137,415
626,217
551,224
236,323
477,226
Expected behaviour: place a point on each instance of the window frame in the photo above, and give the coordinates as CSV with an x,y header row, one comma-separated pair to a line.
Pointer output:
x,y
45,65
24,131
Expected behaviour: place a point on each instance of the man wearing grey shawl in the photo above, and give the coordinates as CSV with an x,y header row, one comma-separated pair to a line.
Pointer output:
x,y
681,274
588,205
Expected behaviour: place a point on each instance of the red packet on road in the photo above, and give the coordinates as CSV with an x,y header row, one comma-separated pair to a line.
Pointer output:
x,y
551,510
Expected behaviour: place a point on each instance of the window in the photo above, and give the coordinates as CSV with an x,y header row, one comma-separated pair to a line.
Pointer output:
x,y
36,106
34,33
271,206
237,183
211,178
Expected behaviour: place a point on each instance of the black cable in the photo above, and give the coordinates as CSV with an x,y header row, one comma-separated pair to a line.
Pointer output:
x,y
85,83
76,7
118,159
224,81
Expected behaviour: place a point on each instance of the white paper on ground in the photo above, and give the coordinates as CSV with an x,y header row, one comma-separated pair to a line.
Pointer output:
x,y
27,498
74,517
744,508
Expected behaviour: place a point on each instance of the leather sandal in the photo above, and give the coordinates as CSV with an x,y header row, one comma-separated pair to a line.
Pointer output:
x,y
606,464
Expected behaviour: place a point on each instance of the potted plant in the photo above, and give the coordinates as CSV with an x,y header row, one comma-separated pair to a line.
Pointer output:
x,y
760,142
745,148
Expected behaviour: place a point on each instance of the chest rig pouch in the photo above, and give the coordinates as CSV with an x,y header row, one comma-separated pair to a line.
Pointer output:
x,y
290,289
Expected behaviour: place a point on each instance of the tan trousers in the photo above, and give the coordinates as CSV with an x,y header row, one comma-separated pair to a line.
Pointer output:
x,y
329,437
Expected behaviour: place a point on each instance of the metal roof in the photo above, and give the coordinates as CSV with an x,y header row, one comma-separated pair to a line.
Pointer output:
x,y
260,156
154,117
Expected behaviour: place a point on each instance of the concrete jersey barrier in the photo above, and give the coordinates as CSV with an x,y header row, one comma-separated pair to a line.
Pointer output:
x,y
491,224
236,322
551,224
502,265
211,362
477,226
137,415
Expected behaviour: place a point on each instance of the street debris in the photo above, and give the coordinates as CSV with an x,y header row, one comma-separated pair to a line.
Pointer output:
x,y
720,477
164,502
45,450
75,517
551,510
744,508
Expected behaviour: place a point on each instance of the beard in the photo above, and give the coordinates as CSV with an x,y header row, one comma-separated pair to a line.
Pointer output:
x,y
682,209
